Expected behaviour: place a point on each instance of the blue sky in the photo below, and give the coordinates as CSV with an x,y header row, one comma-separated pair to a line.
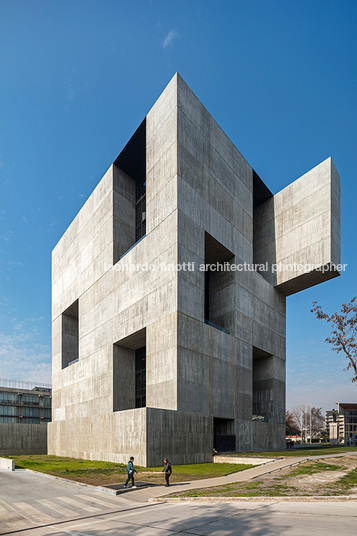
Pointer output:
x,y
76,79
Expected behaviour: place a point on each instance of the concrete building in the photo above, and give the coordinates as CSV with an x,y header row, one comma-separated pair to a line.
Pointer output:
x,y
152,355
25,410
341,424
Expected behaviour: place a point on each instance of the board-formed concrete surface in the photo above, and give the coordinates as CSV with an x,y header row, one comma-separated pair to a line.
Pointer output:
x,y
213,341
22,438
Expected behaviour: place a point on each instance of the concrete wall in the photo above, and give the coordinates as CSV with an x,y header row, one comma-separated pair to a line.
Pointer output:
x,y
90,417
22,438
215,194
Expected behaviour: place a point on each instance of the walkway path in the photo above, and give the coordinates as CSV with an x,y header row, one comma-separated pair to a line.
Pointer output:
x,y
242,476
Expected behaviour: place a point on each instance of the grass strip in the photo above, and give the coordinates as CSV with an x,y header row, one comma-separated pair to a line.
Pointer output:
x,y
104,473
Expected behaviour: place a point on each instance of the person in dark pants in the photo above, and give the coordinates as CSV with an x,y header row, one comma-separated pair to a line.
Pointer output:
x,y
130,470
167,470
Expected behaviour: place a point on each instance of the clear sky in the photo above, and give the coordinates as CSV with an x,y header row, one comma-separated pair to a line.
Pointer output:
x,y
76,79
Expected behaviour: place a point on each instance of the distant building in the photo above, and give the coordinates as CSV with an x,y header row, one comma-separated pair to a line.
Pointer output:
x,y
24,402
25,410
341,424
154,356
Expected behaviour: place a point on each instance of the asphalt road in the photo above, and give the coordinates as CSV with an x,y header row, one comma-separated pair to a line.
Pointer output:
x,y
34,505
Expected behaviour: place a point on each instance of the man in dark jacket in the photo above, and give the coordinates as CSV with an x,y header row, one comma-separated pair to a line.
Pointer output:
x,y
130,470
167,470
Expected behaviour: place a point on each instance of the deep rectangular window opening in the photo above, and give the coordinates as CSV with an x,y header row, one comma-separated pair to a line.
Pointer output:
x,y
140,377
262,387
261,194
219,285
70,337
129,372
224,435
131,160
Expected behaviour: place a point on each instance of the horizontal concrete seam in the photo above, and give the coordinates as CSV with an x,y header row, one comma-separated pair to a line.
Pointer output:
x,y
219,213
282,317
81,230
91,239
111,267
167,150
250,215
221,129
324,172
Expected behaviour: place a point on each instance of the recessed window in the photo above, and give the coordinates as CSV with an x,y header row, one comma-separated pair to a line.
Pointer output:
x,y
219,285
70,340
262,387
130,194
140,377
224,435
129,372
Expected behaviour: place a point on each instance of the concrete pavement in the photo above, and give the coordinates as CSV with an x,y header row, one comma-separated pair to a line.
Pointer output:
x,y
32,504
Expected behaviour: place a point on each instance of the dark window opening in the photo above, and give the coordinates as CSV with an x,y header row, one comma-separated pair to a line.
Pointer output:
x,y
70,338
140,209
129,372
262,386
140,377
131,194
219,285
224,436
261,192
263,226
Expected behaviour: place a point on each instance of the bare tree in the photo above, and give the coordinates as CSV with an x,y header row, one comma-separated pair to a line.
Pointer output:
x,y
316,421
309,421
297,414
343,333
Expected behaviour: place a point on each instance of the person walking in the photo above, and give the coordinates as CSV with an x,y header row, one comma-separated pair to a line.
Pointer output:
x,y
130,470
167,470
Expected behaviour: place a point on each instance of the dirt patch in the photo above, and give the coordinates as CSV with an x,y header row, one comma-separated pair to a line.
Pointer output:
x,y
313,478
320,482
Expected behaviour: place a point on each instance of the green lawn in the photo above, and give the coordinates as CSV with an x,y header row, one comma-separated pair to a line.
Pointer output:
x,y
302,451
104,473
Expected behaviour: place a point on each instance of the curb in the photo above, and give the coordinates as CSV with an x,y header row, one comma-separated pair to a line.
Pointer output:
x,y
305,498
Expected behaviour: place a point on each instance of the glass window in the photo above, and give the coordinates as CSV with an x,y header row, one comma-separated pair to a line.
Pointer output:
x,y
9,410
46,401
31,420
30,400
31,412
8,419
46,413
9,397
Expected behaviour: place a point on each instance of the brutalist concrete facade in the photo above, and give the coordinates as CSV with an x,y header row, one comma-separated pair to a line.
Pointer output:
x,y
151,361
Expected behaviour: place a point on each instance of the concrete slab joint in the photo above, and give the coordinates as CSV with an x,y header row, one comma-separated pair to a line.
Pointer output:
x,y
169,292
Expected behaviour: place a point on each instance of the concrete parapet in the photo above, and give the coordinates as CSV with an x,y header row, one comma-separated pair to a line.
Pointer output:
x,y
23,438
5,463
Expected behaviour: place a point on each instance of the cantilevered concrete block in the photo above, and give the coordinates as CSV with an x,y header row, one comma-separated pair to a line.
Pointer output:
x,y
156,350
297,231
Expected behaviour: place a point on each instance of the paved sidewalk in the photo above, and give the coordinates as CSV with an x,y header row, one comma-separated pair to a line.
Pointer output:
x,y
36,505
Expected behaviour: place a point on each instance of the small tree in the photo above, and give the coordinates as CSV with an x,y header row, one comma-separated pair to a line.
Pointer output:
x,y
298,415
317,422
343,336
